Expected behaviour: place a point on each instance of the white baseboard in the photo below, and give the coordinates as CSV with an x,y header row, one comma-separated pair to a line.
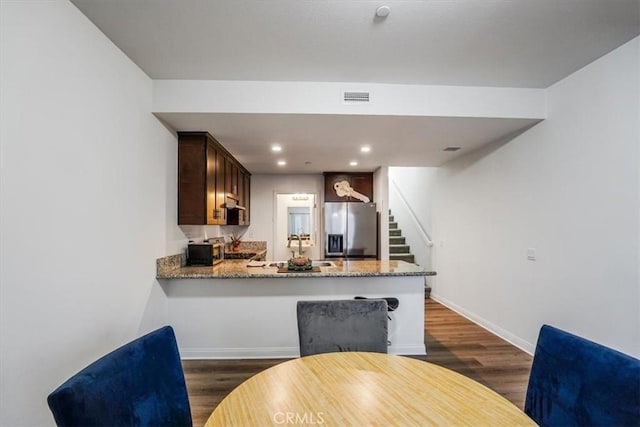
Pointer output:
x,y
273,352
408,350
523,345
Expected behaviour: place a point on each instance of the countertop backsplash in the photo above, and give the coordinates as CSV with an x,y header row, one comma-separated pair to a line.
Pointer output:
x,y
253,246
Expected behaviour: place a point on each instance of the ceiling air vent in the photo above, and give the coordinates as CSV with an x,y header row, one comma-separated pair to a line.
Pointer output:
x,y
452,149
356,97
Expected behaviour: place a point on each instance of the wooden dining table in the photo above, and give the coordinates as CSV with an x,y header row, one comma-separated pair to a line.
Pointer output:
x,y
364,389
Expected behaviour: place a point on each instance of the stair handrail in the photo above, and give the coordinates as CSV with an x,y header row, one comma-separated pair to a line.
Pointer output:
x,y
414,217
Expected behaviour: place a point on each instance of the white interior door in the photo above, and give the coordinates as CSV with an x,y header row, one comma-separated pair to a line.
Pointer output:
x,y
289,215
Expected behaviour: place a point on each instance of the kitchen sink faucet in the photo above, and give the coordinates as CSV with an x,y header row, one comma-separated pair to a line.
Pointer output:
x,y
300,251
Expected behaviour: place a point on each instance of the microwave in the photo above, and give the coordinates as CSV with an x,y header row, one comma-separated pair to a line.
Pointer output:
x,y
205,254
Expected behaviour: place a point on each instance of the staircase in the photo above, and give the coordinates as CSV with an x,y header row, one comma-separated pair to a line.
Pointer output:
x,y
398,249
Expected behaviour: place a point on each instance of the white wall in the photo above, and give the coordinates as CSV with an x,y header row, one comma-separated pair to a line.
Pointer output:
x,y
88,202
269,329
568,187
263,209
411,202
230,96
381,198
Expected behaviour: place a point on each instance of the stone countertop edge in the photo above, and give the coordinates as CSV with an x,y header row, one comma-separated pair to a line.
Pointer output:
x,y
170,268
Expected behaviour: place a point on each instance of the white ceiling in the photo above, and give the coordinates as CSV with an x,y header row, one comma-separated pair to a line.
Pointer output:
x,y
500,43
330,142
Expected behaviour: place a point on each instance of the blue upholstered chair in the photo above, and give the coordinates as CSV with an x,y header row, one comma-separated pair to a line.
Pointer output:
x,y
576,382
139,384
342,325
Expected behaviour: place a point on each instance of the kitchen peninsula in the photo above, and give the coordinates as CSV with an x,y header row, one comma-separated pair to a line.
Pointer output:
x,y
233,310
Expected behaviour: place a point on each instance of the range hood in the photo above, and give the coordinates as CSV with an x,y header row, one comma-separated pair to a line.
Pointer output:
x,y
233,204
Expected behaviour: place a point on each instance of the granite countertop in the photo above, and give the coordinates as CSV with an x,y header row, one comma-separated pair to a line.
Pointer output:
x,y
169,268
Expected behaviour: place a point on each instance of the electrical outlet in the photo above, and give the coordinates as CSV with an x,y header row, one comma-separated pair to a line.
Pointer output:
x,y
531,254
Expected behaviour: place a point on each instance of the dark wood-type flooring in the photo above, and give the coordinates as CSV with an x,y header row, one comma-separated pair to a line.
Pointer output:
x,y
452,341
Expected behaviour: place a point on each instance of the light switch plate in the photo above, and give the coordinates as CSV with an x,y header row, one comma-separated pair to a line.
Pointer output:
x,y
531,254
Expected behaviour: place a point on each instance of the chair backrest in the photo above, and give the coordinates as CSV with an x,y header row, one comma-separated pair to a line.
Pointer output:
x,y
576,382
342,325
139,384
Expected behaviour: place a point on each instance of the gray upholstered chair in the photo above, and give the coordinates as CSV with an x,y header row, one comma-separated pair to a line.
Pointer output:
x,y
342,325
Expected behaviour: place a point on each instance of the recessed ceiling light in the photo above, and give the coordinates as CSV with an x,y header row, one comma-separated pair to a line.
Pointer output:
x,y
452,149
282,162
276,148
383,11
353,163
365,149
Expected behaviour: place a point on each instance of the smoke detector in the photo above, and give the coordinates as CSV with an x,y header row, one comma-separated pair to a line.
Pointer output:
x,y
383,11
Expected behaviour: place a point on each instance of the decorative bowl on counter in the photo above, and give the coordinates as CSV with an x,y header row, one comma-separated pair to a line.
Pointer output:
x,y
299,263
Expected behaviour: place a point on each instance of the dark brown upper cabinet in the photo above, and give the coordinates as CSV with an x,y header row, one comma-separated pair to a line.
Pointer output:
x,y
242,216
246,176
208,182
360,182
231,177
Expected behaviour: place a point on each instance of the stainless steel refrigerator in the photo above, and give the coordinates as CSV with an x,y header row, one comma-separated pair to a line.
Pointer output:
x,y
350,230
